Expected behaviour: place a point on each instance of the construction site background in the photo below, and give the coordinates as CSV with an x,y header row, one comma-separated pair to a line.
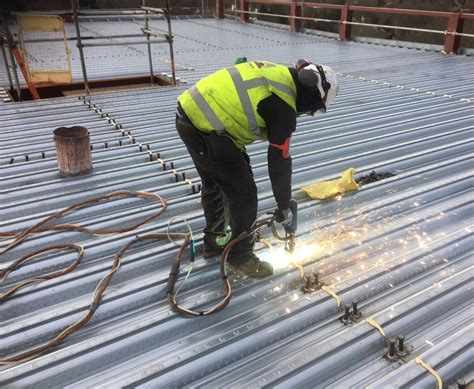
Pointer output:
x,y
430,23
206,8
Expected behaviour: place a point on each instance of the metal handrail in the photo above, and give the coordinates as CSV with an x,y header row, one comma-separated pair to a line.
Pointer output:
x,y
452,33
87,37
123,43
395,27
442,32
459,34
286,16
153,10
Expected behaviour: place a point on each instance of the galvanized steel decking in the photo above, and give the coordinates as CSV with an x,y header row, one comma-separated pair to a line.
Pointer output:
x,y
402,247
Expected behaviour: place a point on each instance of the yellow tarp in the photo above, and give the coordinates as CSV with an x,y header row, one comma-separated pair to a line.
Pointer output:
x,y
326,189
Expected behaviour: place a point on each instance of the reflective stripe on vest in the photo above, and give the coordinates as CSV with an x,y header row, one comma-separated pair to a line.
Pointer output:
x,y
206,110
243,86
227,100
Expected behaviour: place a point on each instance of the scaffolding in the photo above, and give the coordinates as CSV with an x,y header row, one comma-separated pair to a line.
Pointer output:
x,y
7,39
145,12
18,53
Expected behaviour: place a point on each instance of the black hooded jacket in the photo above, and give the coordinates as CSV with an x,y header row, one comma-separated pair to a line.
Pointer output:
x,y
280,119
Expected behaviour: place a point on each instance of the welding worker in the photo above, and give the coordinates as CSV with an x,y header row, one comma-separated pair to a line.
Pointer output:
x,y
229,109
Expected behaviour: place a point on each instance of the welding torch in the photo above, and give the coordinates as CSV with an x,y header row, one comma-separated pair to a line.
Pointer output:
x,y
288,218
290,227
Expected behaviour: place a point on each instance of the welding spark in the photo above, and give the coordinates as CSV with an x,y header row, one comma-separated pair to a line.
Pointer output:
x,y
279,258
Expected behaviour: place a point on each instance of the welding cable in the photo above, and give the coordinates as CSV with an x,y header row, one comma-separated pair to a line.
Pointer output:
x,y
193,249
103,283
187,225
223,273
40,226
228,289
29,257
106,279
191,266
96,297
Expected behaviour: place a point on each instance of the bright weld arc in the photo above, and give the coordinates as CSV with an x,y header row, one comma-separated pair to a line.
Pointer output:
x,y
280,258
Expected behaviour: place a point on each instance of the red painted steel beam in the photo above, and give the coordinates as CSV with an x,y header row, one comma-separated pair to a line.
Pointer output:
x,y
345,29
244,6
466,16
26,76
219,9
455,24
295,24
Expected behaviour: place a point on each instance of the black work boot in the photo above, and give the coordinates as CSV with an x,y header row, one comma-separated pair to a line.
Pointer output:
x,y
250,265
211,247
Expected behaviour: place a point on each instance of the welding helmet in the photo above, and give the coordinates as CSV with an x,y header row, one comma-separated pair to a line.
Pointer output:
x,y
320,79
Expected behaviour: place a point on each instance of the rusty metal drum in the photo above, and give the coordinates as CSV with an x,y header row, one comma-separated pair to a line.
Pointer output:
x,y
73,151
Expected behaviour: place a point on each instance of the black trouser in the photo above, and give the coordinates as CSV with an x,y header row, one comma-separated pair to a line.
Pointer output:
x,y
228,187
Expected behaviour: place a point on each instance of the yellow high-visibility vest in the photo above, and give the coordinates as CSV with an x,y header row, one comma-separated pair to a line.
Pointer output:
x,y
226,101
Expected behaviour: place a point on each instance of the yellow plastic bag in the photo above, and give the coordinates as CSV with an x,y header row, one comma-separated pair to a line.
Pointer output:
x,y
326,189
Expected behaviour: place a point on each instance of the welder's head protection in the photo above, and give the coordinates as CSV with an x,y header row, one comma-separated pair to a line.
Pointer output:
x,y
321,81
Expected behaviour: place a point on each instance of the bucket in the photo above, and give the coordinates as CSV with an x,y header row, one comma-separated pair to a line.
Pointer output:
x,y
73,151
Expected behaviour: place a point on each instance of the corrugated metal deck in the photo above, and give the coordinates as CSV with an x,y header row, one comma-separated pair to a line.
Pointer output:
x,y
402,246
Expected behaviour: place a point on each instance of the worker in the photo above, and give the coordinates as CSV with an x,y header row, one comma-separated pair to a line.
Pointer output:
x,y
226,111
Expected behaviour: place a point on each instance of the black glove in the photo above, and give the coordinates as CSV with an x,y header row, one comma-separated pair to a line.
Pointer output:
x,y
287,217
283,216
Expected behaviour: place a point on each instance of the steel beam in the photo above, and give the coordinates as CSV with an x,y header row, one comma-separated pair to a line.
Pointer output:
x,y
219,13
345,29
455,25
244,6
